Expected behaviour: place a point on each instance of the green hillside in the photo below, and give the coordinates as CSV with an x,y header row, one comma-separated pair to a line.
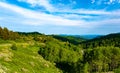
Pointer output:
x,y
108,40
20,55
33,52
23,59
71,39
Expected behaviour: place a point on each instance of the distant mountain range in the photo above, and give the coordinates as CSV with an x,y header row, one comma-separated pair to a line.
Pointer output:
x,y
107,40
91,36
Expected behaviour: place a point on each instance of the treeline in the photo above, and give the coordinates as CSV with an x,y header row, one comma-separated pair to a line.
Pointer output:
x,y
108,40
30,33
101,59
6,34
63,54
71,39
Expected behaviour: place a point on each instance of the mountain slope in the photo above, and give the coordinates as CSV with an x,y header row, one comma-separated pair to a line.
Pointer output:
x,y
108,40
38,53
71,39
23,59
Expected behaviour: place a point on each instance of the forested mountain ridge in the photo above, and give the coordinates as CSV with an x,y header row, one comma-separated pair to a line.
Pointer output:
x,y
71,39
34,52
108,40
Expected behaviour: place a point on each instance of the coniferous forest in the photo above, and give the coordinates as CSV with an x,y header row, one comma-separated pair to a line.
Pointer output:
x,y
33,52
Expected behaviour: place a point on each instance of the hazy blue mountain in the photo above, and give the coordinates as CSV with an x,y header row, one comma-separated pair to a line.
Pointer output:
x,y
87,37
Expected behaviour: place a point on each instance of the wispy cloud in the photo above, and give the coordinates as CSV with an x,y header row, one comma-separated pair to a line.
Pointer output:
x,y
107,1
83,18
62,9
85,11
38,18
43,3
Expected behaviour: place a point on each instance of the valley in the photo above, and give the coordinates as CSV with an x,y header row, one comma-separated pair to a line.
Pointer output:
x,y
33,52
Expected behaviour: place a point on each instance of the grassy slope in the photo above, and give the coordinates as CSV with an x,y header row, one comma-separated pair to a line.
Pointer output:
x,y
24,60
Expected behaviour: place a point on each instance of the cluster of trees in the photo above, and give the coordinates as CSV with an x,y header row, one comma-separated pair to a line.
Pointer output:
x,y
7,34
101,54
108,40
64,54
71,39
96,55
102,59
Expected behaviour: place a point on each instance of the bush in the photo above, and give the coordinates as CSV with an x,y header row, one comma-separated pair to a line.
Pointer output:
x,y
117,70
14,47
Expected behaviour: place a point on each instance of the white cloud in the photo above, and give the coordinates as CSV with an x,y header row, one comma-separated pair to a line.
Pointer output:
x,y
107,2
111,1
14,14
63,7
43,3
83,11
76,16
107,22
37,18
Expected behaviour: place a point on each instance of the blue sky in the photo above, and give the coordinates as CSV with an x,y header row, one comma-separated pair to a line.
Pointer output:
x,y
61,16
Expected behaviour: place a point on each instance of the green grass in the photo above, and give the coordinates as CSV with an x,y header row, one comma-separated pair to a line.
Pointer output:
x,y
24,60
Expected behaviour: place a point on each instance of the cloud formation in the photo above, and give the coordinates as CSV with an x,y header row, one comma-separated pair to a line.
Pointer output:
x,y
82,18
43,18
43,3
37,18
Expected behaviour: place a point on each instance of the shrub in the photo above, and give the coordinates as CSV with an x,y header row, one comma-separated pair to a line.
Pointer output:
x,y
117,70
14,47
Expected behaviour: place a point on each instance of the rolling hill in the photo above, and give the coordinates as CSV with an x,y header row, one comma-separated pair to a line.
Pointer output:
x,y
33,52
108,40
